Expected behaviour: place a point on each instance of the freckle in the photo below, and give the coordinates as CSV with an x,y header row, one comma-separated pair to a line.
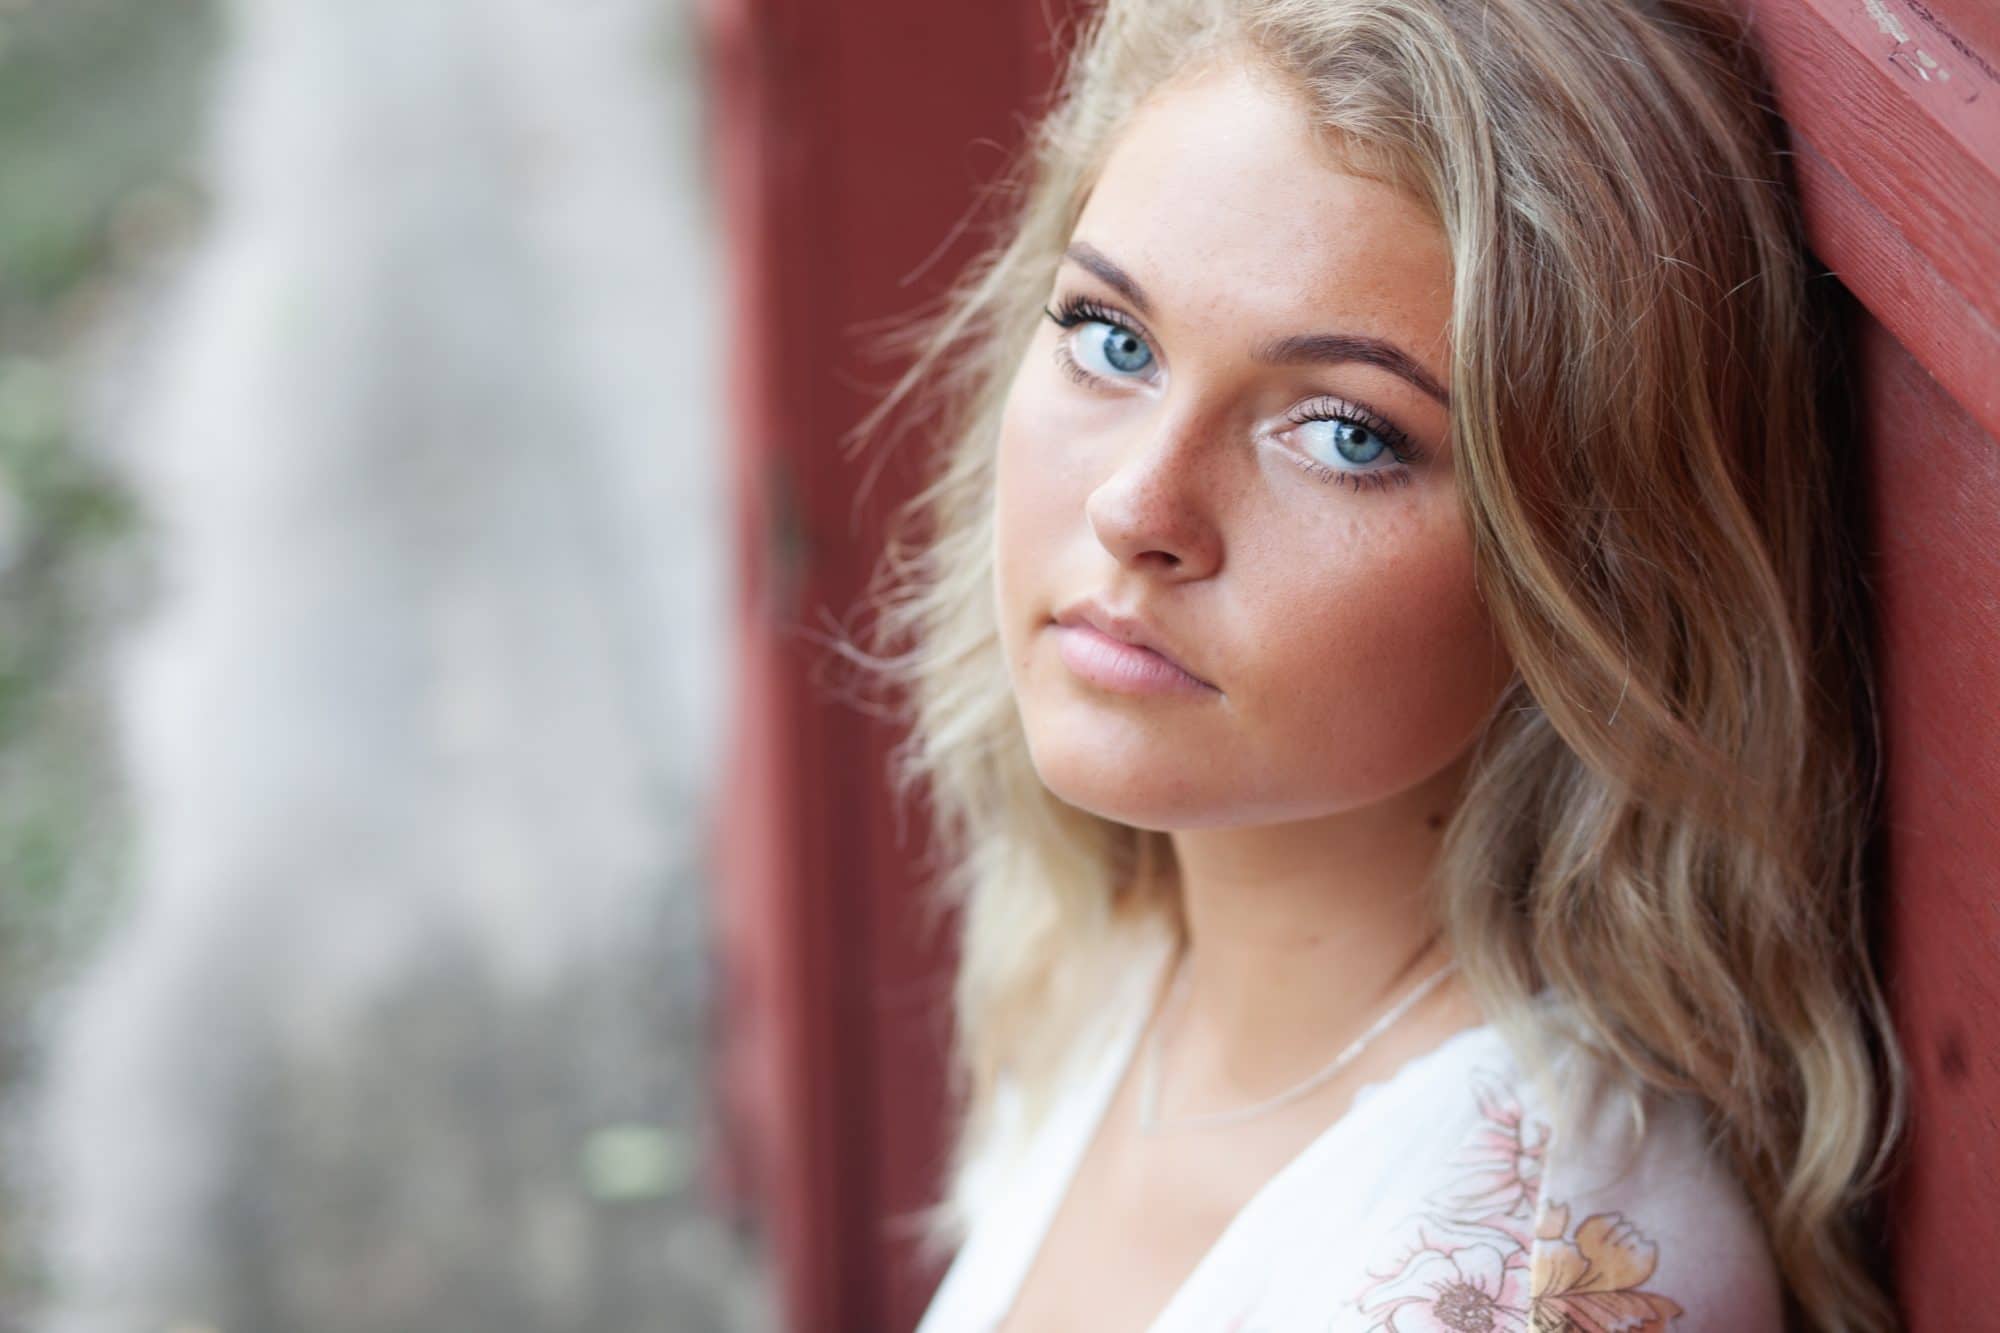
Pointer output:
x,y
1435,821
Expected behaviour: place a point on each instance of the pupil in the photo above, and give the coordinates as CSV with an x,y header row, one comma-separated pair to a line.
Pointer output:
x,y
1124,350
1352,441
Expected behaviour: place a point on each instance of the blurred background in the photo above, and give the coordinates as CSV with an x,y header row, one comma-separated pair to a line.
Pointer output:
x,y
445,882
362,612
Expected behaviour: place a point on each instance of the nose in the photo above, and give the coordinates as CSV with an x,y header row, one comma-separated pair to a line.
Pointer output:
x,y
1154,511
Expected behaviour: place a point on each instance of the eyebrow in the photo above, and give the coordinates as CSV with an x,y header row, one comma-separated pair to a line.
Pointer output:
x,y
1298,349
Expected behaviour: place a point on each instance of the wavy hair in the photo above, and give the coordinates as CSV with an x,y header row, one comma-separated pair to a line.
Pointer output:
x,y
1667,818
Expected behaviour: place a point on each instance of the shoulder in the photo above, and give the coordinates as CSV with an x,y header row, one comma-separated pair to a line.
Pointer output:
x,y
1641,1217
1565,1204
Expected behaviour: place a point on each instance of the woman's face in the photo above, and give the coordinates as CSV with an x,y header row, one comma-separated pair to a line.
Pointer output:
x,y
1234,445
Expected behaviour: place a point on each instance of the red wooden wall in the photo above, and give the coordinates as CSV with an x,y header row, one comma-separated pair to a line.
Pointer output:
x,y
1895,111
848,141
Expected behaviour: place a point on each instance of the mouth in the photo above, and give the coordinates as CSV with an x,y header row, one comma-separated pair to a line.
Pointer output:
x,y
1111,652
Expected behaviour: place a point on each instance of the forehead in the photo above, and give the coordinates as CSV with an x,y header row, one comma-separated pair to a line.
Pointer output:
x,y
1217,197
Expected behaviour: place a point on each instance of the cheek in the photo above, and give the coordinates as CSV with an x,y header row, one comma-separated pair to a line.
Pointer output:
x,y
1378,666
1038,497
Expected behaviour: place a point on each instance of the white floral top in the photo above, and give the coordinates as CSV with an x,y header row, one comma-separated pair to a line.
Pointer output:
x,y
1441,1201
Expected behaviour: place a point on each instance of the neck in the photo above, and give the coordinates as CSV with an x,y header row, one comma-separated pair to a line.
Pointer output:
x,y
1300,934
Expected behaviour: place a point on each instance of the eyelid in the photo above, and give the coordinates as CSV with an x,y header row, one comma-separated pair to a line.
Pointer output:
x,y
1077,307
1329,407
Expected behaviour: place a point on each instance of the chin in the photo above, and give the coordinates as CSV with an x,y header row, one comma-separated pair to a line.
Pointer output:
x,y
1140,790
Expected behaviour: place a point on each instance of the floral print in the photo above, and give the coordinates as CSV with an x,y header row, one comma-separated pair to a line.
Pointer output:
x,y
1453,1279
1483,1259
1589,1282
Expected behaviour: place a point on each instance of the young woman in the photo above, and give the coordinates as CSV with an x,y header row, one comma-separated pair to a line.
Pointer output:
x,y
1381,650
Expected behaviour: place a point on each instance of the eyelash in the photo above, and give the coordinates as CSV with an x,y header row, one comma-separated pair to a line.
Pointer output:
x,y
1075,310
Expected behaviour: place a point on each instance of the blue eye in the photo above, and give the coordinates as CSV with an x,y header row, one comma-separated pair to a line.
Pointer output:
x,y
1101,346
1347,444
1122,351
1350,441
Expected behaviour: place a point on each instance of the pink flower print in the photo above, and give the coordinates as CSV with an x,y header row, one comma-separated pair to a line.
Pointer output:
x,y
1435,1234
1462,1264
1460,1279
1476,1262
1502,1161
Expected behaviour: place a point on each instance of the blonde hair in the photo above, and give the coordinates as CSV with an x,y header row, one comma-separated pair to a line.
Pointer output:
x,y
1665,821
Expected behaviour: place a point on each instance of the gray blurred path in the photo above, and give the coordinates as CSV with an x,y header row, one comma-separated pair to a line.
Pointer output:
x,y
404,1034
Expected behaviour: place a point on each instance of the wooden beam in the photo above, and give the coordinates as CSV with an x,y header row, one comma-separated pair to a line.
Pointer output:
x,y
1895,110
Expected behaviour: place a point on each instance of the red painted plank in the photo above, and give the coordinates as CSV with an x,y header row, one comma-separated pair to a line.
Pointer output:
x,y
1934,499
1925,313
767,1066
849,155
1895,113
1896,108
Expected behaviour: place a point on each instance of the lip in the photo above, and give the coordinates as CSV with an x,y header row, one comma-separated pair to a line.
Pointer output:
x,y
1121,652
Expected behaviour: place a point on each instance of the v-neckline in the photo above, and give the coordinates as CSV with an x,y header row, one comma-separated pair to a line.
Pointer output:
x,y
1063,1150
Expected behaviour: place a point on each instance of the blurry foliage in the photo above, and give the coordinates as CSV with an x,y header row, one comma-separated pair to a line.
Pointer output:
x,y
57,514
99,101
99,113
